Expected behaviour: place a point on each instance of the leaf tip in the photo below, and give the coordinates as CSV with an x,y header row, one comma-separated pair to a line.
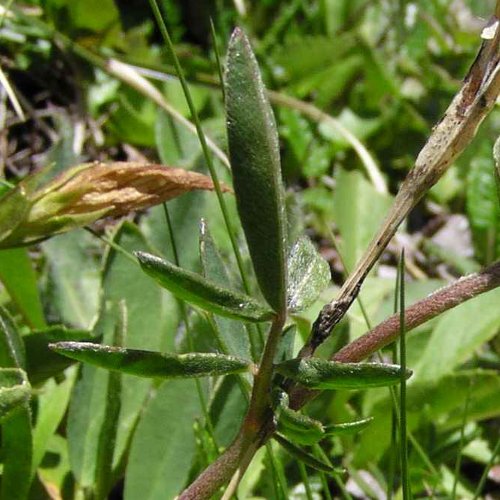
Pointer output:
x,y
237,35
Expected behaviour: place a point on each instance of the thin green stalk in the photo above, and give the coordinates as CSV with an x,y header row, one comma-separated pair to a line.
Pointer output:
x,y
7,184
218,59
403,439
395,406
319,453
206,153
305,480
489,465
112,244
262,381
201,136
391,481
279,481
458,462
199,390
394,412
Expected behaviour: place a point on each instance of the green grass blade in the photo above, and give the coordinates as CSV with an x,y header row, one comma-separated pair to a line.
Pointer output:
x,y
302,455
305,480
489,465
403,439
462,442
218,61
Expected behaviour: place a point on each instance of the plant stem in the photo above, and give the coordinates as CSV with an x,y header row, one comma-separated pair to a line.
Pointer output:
x,y
388,331
449,138
305,480
462,442
403,438
239,453
217,58
435,304
484,476
260,394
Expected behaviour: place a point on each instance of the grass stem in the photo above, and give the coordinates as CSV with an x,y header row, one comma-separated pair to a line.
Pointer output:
x,y
403,439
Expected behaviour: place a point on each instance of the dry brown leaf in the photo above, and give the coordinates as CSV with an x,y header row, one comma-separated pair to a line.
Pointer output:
x,y
122,187
87,192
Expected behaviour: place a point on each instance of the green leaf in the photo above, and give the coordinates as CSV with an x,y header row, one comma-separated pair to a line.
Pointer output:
x,y
44,363
13,208
52,403
322,374
94,15
195,289
185,213
255,163
296,426
457,336
176,144
309,275
15,390
303,455
73,279
358,210
19,278
228,407
152,364
17,445
17,449
164,445
232,333
12,353
152,322
483,208
348,428
430,402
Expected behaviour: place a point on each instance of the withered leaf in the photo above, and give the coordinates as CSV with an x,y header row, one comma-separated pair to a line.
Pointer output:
x,y
87,192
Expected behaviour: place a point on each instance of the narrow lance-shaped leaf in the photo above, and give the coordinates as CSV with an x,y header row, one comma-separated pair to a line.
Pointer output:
x,y
197,290
348,428
308,275
87,192
305,457
15,390
255,162
318,373
152,364
296,426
